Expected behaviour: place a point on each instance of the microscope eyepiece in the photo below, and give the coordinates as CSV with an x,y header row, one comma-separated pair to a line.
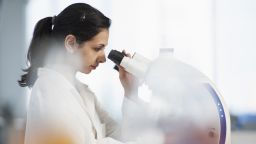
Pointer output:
x,y
116,56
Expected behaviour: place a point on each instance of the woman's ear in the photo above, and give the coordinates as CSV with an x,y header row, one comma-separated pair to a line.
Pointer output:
x,y
70,43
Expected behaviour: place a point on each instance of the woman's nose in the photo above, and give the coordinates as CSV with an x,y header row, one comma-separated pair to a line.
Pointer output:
x,y
102,58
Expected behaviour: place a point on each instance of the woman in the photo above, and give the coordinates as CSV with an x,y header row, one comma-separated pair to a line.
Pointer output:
x,y
61,109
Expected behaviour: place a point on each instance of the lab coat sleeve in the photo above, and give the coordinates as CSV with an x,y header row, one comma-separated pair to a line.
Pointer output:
x,y
133,112
139,122
134,116
120,133
112,127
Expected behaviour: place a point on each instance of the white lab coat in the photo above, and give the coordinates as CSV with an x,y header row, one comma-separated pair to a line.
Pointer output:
x,y
72,107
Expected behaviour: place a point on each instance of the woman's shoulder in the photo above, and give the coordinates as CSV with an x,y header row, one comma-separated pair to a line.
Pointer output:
x,y
50,85
48,78
51,89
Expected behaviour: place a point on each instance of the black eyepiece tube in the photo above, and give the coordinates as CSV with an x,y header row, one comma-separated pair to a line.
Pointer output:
x,y
116,56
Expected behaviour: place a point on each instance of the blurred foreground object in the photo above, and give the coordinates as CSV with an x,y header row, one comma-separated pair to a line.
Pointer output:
x,y
12,130
6,122
184,106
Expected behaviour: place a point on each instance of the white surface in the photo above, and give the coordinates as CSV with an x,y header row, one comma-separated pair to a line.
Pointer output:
x,y
243,137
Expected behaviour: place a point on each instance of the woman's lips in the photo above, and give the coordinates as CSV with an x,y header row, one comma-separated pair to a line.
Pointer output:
x,y
93,67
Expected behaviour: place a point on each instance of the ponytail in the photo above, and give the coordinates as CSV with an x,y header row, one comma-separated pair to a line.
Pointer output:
x,y
36,51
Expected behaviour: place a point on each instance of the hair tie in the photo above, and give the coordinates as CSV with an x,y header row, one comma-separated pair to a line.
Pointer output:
x,y
82,18
54,20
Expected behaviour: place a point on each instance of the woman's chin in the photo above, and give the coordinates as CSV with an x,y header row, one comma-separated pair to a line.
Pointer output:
x,y
86,71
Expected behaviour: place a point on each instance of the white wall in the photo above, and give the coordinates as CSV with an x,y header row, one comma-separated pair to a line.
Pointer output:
x,y
12,54
236,49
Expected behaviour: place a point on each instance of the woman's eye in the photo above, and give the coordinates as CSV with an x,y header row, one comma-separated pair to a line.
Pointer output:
x,y
97,49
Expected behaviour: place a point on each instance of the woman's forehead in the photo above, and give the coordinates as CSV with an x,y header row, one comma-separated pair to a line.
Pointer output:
x,y
100,38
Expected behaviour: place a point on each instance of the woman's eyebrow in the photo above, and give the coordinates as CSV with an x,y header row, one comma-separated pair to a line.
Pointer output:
x,y
101,45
